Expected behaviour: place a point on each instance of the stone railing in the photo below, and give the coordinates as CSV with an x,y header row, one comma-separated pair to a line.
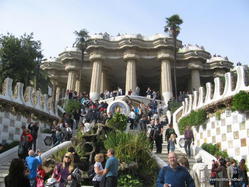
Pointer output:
x,y
30,99
197,100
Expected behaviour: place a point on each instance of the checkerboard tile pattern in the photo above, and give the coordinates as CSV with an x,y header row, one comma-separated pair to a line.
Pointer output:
x,y
231,132
10,127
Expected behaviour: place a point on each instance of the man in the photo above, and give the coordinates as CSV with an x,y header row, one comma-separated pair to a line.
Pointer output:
x,y
111,169
33,163
158,136
174,175
33,127
188,137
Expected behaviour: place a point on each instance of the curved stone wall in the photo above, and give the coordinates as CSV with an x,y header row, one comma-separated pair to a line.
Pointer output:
x,y
17,106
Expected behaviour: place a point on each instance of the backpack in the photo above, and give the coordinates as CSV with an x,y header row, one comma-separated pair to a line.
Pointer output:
x,y
91,173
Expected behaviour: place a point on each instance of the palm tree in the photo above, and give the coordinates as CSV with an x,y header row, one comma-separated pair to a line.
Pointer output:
x,y
81,43
173,28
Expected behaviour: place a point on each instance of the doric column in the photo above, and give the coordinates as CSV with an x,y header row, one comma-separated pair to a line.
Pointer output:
x,y
71,80
77,84
97,59
195,79
166,82
131,77
104,82
57,93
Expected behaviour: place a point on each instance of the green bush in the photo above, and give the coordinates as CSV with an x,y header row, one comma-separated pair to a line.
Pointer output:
x,y
118,121
240,101
213,149
72,105
6,147
173,105
128,181
134,148
195,118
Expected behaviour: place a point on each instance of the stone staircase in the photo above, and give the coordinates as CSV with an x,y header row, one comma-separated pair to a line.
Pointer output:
x,y
7,158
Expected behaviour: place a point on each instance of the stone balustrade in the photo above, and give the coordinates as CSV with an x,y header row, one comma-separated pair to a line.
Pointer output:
x,y
197,100
30,98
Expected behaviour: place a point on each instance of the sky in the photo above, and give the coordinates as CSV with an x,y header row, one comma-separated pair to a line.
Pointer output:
x,y
221,26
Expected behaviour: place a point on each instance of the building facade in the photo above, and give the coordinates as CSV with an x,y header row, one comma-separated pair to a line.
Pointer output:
x,y
128,61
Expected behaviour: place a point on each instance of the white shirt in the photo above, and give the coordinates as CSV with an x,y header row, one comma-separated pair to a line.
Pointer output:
x,y
98,177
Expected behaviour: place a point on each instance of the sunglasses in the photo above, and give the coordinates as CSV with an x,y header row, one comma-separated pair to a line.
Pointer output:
x,y
67,157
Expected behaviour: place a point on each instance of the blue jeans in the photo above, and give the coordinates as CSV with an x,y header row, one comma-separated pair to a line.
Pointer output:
x,y
243,184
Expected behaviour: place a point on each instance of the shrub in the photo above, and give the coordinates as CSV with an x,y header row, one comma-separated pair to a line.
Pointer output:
x,y
214,149
72,105
173,105
134,148
195,118
129,181
240,101
118,121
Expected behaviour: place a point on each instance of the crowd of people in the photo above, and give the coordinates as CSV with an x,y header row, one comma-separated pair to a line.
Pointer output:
x,y
144,118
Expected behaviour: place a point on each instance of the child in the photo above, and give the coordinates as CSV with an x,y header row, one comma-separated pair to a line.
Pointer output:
x,y
172,142
40,177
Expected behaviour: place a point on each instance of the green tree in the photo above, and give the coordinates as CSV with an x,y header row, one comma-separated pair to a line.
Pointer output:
x,y
19,57
173,28
81,43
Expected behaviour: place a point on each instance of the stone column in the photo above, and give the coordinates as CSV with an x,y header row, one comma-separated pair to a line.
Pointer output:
x,y
71,80
104,84
166,82
131,77
77,85
195,79
57,93
97,59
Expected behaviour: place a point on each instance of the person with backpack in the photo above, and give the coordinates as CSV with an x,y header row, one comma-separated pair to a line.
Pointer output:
x,y
97,171
189,138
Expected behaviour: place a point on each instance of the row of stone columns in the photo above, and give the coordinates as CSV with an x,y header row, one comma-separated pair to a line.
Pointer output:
x,y
99,80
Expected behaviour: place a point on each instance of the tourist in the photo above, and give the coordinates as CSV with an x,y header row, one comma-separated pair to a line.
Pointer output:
x,y
243,173
137,91
233,174
170,130
40,176
76,157
98,169
172,142
158,136
33,127
131,118
174,175
32,163
111,169
221,171
188,137
16,176
62,171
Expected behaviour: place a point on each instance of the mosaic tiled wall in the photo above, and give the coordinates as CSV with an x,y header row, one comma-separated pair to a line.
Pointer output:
x,y
10,127
231,132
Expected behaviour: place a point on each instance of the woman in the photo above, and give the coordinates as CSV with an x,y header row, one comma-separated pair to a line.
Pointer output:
x,y
62,172
98,169
16,176
243,173
221,174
